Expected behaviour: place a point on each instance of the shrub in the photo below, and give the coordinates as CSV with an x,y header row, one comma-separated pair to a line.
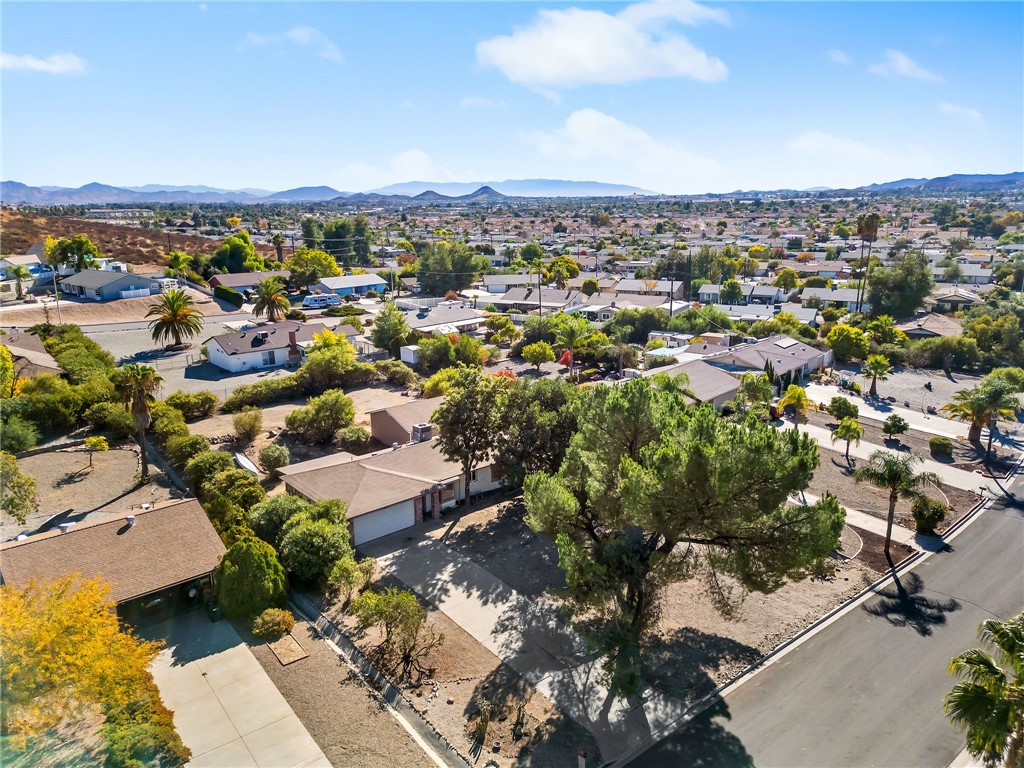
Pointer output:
x,y
318,421
262,392
295,314
230,295
856,387
247,423
250,579
396,372
204,465
349,576
235,485
659,361
193,405
328,368
344,311
310,549
840,408
273,457
540,352
440,382
372,294
111,418
940,446
963,352
268,517
928,514
353,439
273,623
895,425
81,357
167,423
181,449
19,435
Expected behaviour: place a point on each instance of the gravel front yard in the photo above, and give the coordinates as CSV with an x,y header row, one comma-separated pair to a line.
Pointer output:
x,y
341,715
907,385
96,312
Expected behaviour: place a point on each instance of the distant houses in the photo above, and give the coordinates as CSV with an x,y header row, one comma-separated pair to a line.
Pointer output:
x,y
346,285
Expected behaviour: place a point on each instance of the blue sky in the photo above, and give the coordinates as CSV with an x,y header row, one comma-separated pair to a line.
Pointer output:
x,y
675,97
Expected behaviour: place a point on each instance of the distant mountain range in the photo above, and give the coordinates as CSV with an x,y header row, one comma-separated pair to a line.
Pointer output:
x,y
412,192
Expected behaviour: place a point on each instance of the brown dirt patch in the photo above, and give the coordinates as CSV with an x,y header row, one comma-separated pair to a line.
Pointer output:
x,y
833,474
63,480
338,710
99,312
873,552
132,245
463,671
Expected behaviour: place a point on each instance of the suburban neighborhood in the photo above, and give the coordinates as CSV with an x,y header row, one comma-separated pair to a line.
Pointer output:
x,y
462,460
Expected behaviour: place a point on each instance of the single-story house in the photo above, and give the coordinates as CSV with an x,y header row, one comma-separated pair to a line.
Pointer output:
x,y
753,293
971,274
410,284
605,283
243,282
267,345
783,355
707,383
529,299
34,264
651,287
103,285
842,297
952,299
500,284
350,284
394,425
138,553
29,355
447,317
931,325
603,306
390,490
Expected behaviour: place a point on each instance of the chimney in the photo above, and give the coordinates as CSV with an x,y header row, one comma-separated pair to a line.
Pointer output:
x,y
292,343
130,519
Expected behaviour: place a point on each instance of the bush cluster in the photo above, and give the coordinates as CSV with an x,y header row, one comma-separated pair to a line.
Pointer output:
x,y
230,295
940,446
928,514
193,405
273,623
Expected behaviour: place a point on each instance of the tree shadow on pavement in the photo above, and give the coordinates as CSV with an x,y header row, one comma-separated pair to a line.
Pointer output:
x,y
702,743
905,605
681,663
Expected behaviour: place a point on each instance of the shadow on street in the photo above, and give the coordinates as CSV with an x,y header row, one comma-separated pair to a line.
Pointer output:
x,y
905,605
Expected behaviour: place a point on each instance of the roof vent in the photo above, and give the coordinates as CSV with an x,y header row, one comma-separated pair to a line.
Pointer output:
x,y
130,519
63,527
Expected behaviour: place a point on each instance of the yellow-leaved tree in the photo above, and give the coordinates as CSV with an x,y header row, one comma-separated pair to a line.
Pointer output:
x,y
65,659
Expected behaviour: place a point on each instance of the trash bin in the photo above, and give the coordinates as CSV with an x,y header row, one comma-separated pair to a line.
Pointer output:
x,y
212,610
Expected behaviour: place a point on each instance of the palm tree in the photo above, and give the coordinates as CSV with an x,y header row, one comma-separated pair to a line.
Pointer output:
x,y
573,336
988,704
867,230
755,388
176,317
876,368
895,473
19,272
270,299
134,385
795,397
277,240
850,430
982,406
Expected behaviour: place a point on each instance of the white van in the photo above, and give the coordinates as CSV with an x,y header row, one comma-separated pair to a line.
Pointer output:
x,y
321,300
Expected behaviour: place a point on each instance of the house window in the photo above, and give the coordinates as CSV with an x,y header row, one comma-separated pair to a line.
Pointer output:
x,y
269,357
447,492
472,476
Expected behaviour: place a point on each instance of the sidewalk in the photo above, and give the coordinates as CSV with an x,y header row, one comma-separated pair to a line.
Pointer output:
x,y
532,640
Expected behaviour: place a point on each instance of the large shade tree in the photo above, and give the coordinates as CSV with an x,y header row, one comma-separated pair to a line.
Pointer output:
x,y
653,491
988,703
79,252
175,318
135,386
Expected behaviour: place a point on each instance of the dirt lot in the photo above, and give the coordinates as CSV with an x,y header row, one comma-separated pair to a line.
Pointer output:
x,y
907,385
133,245
99,312
834,474
463,672
63,480
699,648
341,715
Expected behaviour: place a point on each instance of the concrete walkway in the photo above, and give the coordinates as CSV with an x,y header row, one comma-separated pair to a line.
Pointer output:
x,y
881,410
226,709
531,638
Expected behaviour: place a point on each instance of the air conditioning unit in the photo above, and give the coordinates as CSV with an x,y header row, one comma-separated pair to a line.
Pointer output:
x,y
422,432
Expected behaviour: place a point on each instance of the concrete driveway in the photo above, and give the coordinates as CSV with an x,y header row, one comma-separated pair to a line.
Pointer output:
x,y
226,708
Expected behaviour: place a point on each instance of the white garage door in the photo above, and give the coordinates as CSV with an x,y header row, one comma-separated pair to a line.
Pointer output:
x,y
382,522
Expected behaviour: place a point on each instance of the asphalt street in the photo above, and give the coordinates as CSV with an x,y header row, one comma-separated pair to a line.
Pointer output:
x,y
867,690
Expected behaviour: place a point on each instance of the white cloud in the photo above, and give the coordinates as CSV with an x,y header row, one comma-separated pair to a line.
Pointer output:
x,y
898,64
956,110
303,36
56,64
409,165
821,144
481,101
838,57
575,46
591,139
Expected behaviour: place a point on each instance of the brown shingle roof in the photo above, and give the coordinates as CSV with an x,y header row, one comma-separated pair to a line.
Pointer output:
x,y
168,545
413,412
